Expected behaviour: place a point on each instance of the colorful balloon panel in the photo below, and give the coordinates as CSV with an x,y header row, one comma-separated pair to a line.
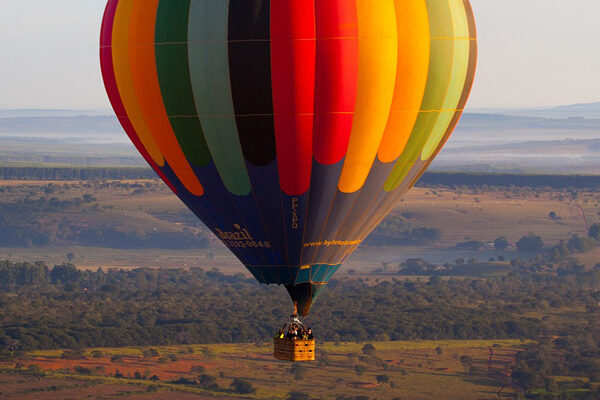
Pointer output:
x,y
291,128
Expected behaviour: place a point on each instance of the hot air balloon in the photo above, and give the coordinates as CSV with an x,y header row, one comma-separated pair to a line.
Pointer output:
x,y
291,128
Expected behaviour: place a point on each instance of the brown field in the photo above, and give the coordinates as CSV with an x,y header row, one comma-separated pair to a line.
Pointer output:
x,y
460,215
485,216
415,369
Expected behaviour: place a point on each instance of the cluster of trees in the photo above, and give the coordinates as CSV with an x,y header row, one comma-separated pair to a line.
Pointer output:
x,y
528,243
428,179
398,230
460,267
532,243
42,221
508,180
74,173
238,385
575,355
21,224
63,307
575,244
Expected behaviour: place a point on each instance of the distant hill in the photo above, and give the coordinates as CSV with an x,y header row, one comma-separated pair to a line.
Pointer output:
x,y
52,124
549,139
35,112
583,110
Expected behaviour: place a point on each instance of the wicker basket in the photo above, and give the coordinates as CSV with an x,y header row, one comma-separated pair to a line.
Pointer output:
x,y
294,350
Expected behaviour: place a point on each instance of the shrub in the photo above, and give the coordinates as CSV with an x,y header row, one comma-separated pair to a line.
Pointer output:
x,y
82,370
368,349
183,381
242,386
297,396
207,381
530,242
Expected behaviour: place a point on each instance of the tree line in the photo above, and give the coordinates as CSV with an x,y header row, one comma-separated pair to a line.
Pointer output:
x,y
508,180
63,307
50,173
430,178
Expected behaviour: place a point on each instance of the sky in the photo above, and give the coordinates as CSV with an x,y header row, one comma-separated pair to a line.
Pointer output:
x,y
531,53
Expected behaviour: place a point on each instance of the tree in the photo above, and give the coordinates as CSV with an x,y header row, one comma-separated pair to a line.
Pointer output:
x,y
582,244
207,381
382,379
65,273
466,361
501,243
368,349
297,396
530,242
439,350
242,386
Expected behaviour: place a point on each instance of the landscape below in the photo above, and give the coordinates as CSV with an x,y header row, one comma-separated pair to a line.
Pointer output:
x,y
467,267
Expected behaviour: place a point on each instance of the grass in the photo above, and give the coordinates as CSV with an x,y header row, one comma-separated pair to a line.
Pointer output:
x,y
416,369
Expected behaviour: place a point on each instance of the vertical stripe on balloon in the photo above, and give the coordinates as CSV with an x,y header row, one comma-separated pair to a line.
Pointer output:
x,y
378,49
123,76
457,78
110,83
145,82
250,76
209,73
468,81
293,51
336,70
438,82
411,78
174,77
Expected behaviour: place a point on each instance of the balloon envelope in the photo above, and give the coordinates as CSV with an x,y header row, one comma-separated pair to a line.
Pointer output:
x,y
290,128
